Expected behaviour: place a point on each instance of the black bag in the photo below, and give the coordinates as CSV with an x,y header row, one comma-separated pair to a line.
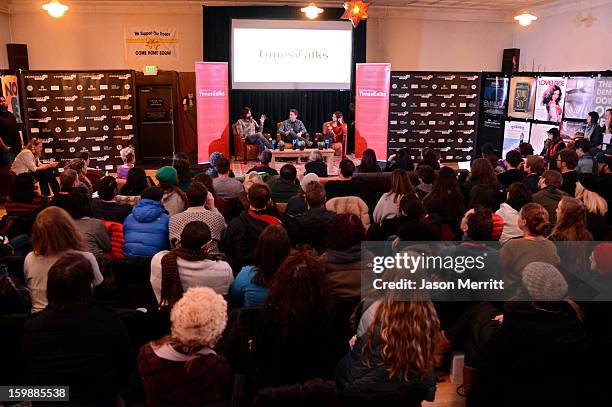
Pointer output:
x,y
14,295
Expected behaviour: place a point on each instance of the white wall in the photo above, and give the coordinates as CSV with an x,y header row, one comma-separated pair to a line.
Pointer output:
x,y
429,45
558,43
5,38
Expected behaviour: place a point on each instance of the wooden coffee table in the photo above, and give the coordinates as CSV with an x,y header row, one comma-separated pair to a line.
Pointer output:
x,y
328,156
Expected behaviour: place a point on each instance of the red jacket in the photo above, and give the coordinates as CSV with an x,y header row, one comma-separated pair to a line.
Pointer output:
x,y
115,233
498,227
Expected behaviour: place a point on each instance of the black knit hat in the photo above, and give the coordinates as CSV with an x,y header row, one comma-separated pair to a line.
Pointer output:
x,y
590,182
152,193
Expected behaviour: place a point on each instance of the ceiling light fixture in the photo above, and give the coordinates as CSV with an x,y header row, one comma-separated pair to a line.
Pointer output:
x,y
525,18
312,11
55,8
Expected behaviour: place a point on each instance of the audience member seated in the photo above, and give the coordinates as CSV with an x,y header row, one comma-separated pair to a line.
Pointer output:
x,y
80,166
75,343
312,227
513,173
226,186
597,208
400,160
28,160
54,234
242,232
566,164
345,185
184,176
482,173
430,157
518,196
534,167
128,157
391,360
93,231
136,182
426,228
201,208
387,206
23,204
182,368
526,149
295,338
592,132
533,246
490,154
446,199
572,227
605,181
285,186
316,165
189,265
264,164
146,228
427,176
368,163
409,208
174,199
550,193
105,207
250,287
482,196
297,204
586,162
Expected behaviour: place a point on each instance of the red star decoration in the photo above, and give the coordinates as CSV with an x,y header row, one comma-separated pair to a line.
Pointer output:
x,y
355,10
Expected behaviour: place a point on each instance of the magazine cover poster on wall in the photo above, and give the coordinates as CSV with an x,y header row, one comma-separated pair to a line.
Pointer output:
x,y
522,97
550,95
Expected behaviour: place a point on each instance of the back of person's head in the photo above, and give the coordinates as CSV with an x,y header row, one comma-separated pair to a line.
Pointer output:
x,y
222,165
127,155
183,169
535,218
153,194
481,195
368,161
426,174
23,189
543,282
552,178
535,164
135,183
299,294
488,150
583,144
404,159
196,194
346,232
410,205
315,155
307,179
594,118
55,232
514,158
347,167
400,183
166,176
446,191
265,157
315,195
77,164
198,318
83,155
601,259
587,191
571,222
68,178
519,194
482,172
107,190
207,181
273,247
479,224
420,229
568,157
195,235
526,149
69,283
259,195
288,172
77,204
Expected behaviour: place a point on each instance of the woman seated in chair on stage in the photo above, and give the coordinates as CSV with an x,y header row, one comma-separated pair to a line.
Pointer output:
x,y
251,130
335,131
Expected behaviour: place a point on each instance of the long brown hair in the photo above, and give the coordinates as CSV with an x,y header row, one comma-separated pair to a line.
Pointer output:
x,y
273,247
572,223
400,184
536,218
54,232
299,294
482,172
408,331
445,194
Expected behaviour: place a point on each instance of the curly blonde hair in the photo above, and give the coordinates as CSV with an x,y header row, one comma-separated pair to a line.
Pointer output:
x,y
199,318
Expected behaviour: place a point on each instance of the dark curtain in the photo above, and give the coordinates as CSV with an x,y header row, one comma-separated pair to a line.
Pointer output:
x,y
314,106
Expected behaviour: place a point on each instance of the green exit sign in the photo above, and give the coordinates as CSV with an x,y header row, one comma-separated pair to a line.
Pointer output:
x,y
150,70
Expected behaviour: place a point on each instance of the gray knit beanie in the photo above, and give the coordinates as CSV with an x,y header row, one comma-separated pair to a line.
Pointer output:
x,y
544,282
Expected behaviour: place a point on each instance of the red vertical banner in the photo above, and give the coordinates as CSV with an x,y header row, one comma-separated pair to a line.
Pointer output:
x,y
372,108
212,105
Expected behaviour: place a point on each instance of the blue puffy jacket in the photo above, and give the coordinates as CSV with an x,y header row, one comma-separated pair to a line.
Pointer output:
x,y
146,230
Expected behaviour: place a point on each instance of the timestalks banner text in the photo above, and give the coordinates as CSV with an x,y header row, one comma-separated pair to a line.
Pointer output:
x,y
80,111
436,110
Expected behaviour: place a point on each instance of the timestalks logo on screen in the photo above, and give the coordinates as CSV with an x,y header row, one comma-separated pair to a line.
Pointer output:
x,y
371,93
293,54
211,92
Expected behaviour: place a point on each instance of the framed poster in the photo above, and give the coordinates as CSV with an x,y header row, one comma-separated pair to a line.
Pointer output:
x,y
521,102
538,136
495,97
550,95
603,97
514,134
579,97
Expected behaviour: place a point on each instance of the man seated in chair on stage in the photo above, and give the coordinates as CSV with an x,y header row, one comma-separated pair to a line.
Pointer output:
x,y
251,130
294,129
335,131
